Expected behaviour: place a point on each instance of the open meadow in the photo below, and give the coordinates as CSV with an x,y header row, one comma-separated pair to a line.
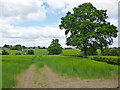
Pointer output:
x,y
64,65
12,65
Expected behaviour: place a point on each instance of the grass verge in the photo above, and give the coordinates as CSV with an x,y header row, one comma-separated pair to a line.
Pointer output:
x,y
82,67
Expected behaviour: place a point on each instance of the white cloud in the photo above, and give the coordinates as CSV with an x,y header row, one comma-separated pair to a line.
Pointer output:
x,y
113,21
66,5
31,36
13,11
34,36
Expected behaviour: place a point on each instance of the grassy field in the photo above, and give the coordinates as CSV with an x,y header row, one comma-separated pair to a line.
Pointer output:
x,y
12,66
44,51
65,52
63,64
14,51
71,52
116,57
76,66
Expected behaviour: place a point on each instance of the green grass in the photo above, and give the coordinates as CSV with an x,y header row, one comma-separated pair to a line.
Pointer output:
x,y
71,52
76,66
14,51
38,62
12,66
116,57
39,52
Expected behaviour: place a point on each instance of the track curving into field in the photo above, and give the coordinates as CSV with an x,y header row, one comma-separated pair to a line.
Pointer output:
x,y
46,78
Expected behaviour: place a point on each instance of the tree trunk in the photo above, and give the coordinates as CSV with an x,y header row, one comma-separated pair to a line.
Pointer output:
x,y
101,48
85,53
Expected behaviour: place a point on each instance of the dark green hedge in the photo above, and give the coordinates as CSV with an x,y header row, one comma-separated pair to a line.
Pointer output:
x,y
109,60
111,52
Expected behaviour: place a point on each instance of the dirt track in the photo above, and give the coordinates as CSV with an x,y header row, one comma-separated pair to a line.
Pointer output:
x,y
46,78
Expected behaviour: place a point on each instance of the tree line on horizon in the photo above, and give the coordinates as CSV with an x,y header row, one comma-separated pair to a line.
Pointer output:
x,y
86,28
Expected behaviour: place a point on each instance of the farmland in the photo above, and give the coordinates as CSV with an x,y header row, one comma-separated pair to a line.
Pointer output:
x,y
63,65
84,68
12,66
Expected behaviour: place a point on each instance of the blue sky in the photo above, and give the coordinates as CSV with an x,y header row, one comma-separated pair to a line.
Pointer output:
x,y
35,22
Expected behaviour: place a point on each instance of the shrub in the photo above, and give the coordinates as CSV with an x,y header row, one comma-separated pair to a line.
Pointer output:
x,y
4,52
110,52
18,53
99,52
30,52
107,59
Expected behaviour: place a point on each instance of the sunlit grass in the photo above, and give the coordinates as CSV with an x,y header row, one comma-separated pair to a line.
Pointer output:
x,y
12,66
71,52
84,68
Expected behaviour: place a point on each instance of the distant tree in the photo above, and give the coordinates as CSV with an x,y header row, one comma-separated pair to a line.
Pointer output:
x,y
30,52
55,48
7,46
10,46
86,27
4,52
17,47
68,48
23,47
18,53
34,47
44,47
38,47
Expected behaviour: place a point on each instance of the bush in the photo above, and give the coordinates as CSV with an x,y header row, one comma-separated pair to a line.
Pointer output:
x,y
99,52
110,52
55,48
4,52
109,60
30,52
18,53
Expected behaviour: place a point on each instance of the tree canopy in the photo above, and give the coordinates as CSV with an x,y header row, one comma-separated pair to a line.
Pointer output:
x,y
87,27
55,48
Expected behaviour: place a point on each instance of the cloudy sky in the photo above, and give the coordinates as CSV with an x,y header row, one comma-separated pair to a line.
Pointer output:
x,y
35,22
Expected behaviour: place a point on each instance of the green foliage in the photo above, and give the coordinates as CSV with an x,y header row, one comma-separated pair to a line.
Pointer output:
x,y
7,46
55,48
30,52
88,27
109,60
38,47
17,47
23,47
110,52
99,52
4,52
11,66
82,67
18,53
91,51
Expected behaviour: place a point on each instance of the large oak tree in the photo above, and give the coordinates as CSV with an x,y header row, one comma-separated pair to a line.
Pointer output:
x,y
87,27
